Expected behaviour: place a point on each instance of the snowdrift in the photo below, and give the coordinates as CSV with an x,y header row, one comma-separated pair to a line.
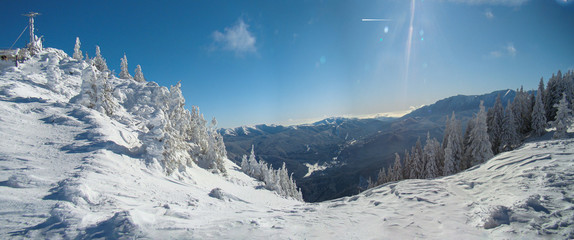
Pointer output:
x,y
71,172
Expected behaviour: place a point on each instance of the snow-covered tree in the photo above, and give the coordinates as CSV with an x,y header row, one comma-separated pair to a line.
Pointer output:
x,y
99,61
480,149
449,160
510,137
381,177
138,74
522,107
397,169
495,117
95,92
542,92
77,52
418,168
125,73
407,166
557,85
453,153
275,180
467,140
431,156
539,115
563,118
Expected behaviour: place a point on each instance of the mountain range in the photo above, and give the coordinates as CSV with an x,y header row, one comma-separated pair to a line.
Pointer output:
x,y
334,157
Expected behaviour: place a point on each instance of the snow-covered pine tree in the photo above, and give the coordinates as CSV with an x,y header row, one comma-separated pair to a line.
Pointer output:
x,y
453,153
418,171
245,166
447,131
557,85
397,168
431,157
467,158
176,147
217,148
494,121
254,169
381,177
539,115
542,92
390,174
457,143
563,118
125,73
449,159
77,52
510,137
275,180
480,148
99,61
95,92
138,74
522,111
109,103
407,166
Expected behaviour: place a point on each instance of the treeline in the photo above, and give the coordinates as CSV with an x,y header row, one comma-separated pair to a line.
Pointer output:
x,y
276,180
488,133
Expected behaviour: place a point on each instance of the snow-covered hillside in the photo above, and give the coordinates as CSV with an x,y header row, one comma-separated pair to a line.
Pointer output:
x,y
68,171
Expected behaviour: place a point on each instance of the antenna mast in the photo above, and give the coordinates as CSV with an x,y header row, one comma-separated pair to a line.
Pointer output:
x,y
35,44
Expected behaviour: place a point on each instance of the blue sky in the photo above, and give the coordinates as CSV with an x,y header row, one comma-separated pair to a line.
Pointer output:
x,y
284,62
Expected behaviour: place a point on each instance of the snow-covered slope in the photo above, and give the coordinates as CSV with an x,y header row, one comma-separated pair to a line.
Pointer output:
x,y
69,172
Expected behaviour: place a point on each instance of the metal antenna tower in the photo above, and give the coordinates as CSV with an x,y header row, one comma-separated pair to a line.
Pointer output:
x,y
31,16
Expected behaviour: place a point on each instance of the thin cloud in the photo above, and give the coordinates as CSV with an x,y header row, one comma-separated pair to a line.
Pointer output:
x,y
509,51
492,2
236,38
488,14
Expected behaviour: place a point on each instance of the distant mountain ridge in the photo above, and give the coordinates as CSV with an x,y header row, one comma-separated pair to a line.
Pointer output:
x,y
347,150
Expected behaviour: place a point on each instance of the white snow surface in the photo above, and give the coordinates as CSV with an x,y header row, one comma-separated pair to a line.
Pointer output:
x,y
69,172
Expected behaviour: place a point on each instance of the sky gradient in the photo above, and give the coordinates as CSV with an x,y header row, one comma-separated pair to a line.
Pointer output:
x,y
286,62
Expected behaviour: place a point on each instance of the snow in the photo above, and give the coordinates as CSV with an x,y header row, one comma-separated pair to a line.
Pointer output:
x,y
311,168
68,172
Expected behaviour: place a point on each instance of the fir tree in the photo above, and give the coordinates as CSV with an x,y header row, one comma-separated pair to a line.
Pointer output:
x,y
522,108
77,52
510,138
467,140
431,157
99,61
563,118
494,120
480,148
407,166
542,92
447,131
453,153
539,115
397,169
418,170
124,73
381,177
275,180
449,160
138,74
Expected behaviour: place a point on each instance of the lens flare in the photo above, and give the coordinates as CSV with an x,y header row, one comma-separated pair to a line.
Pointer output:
x,y
409,41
